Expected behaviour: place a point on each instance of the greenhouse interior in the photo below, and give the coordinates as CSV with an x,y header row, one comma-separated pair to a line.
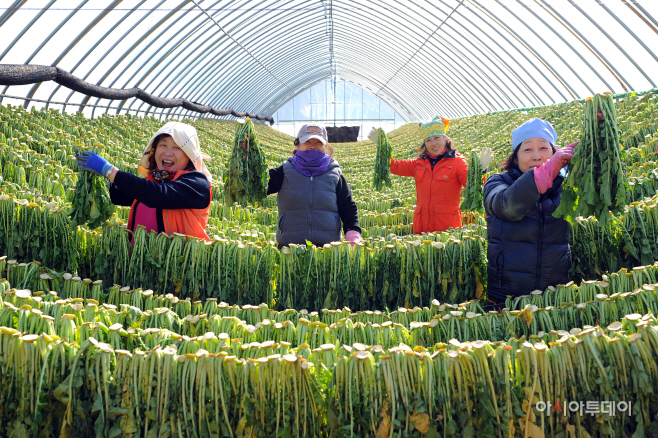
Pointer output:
x,y
403,218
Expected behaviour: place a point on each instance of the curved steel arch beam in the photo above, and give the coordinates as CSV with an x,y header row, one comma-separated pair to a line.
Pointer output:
x,y
20,35
232,50
459,47
117,42
262,39
436,82
573,49
458,76
550,47
424,42
136,44
518,82
485,83
633,8
228,81
228,99
602,59
493,82
199,77
161,35
75,41
92,48
171,51
521,66
11,10
236,42
219,41
644,46
525,45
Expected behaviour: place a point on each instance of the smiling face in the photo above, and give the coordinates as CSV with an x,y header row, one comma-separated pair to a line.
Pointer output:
x,y
169,156
532,153
312,144
436,144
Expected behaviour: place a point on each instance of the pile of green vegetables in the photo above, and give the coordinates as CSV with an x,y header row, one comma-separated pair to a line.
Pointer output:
x,y
473,193
247,168
382,175
596,184
91,203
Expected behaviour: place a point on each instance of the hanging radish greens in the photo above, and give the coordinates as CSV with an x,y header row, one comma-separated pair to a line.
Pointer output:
x,y
91,203
382,175
596,183
473,192
247,169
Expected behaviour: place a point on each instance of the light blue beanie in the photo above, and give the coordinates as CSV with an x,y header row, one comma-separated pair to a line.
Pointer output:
x,y
533,128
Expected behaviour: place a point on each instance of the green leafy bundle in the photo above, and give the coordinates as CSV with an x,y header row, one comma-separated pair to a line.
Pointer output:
x,y
473,192
596,183
247,168
382,175
91,203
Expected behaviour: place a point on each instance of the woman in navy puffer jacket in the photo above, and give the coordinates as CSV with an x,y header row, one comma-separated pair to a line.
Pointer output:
x,y
528,248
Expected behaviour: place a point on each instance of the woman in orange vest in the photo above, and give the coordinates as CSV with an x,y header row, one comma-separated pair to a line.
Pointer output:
x,y
440,174
175,192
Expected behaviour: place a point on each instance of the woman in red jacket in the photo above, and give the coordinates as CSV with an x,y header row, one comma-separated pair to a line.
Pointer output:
x,y
440,174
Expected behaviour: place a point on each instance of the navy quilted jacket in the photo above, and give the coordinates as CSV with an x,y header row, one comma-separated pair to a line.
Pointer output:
x,y
528,248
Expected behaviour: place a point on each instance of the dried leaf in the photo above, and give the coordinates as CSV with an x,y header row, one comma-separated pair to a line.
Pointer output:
x,y
421,422
385,426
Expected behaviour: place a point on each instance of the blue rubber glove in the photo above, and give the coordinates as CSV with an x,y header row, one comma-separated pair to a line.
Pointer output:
x,y
92,162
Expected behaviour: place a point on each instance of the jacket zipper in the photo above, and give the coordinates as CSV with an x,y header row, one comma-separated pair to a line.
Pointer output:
x,y
310,212
541,244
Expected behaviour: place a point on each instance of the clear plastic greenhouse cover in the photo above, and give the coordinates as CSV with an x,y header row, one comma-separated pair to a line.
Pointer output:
x,y
422,58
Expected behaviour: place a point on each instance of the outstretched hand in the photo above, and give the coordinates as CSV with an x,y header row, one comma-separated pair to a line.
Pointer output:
x,y
486,157
92,162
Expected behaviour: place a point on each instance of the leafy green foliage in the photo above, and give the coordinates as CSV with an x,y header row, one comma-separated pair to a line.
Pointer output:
x,y
596,184
247,168
91,203
473,193
382,175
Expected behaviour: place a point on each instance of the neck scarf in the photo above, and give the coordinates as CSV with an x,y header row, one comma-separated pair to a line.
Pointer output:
x,y
311,162
162,175
434,157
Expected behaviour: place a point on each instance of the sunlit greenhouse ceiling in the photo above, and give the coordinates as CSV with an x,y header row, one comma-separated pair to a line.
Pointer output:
x,y
421,58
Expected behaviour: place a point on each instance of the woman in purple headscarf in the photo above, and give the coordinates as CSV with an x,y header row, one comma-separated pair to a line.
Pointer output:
x,y
314,199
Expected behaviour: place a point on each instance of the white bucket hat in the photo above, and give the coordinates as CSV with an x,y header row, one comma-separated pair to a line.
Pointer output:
x,y
186,138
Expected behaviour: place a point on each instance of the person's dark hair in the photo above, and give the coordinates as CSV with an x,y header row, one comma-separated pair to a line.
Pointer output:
x,y
330,149
423,150
153,165
512,161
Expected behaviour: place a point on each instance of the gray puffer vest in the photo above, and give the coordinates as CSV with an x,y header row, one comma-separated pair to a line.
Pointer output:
x,y
308,207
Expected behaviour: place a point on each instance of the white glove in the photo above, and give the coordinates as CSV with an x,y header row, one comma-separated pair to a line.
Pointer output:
x,y
486,157
373,135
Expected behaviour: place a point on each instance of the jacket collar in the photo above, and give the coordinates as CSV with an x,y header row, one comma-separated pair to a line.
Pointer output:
x,y
449,154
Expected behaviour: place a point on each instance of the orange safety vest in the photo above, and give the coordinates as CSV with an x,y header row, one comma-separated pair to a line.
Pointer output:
x,y
188,221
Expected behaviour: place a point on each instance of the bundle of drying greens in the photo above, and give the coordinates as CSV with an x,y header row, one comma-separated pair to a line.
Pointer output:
x,y
596,184
247,169
382,175
473,192
91,203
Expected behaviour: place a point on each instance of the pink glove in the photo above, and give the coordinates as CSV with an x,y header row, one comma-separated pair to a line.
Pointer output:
x,y
353,237
547,172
